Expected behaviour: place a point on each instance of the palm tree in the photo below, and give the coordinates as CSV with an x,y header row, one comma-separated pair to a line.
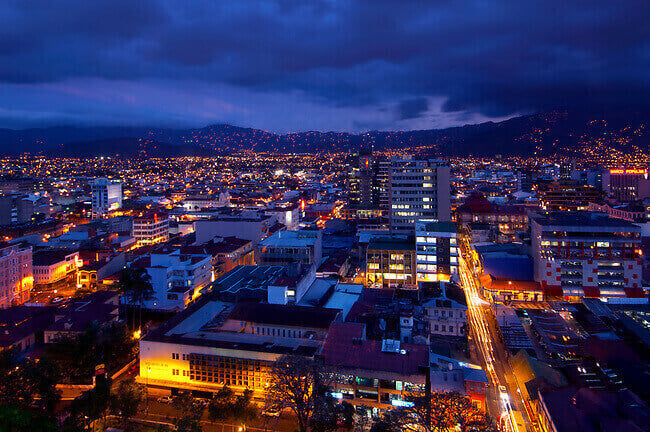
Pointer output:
x,y
136,284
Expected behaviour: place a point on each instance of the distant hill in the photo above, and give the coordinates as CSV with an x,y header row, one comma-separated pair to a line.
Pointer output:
x,y
124,147
543,133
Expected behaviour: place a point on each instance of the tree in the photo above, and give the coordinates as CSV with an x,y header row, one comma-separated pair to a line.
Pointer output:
x,y
14,419
297,383
243,409
191,412
227,406
24,381
127,399
136,284
442,412
220,406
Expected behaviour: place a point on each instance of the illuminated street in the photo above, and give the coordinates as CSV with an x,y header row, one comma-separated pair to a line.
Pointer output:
x,y
507,406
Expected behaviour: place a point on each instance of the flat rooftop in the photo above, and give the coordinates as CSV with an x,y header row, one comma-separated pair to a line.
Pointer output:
x,y
584,220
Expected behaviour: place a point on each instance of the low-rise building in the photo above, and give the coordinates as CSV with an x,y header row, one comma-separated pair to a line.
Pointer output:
x,y
391,263
99,308
304,246
447,313
51,266
212,344
177,279
376,374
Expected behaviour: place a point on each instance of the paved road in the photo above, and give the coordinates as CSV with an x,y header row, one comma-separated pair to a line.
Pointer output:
x,y
504,397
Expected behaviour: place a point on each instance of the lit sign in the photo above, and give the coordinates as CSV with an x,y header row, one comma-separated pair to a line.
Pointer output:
x,y
628,171
401,403
337,395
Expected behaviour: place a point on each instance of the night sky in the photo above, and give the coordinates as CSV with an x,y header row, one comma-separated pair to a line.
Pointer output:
x,y
290,65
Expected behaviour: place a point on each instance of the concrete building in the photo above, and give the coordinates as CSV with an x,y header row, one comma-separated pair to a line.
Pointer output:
x,y
151,228
212,344
586,255
437,250
304,246
16,275
419,189
391,263
177,279
106,196
568,195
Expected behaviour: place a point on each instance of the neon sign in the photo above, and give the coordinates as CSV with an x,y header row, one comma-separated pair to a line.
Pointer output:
x,y
628,171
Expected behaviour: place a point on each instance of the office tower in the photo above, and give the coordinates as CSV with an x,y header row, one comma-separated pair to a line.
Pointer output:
x,y
626,185
419,189
106,196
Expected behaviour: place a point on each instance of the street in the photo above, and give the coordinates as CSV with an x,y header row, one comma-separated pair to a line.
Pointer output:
x,y
504,400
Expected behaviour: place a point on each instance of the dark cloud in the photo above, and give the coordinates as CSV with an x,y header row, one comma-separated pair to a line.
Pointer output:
x,y
412,108
490,58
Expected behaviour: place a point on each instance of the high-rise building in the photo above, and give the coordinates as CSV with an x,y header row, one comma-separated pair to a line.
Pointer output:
x,y
106,196
16,275
586,254
419,189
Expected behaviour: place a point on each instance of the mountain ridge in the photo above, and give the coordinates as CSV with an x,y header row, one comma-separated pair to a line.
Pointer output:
x,y
554,131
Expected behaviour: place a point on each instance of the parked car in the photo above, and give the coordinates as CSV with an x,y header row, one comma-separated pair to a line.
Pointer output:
x,y
165,399
271,412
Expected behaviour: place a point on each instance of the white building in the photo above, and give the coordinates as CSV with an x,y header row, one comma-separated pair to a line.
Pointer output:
x,y
437,250
447,314
419,189
177,279
151,228
106,196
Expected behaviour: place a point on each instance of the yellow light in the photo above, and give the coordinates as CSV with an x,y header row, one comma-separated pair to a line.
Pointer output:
x,y
136,335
